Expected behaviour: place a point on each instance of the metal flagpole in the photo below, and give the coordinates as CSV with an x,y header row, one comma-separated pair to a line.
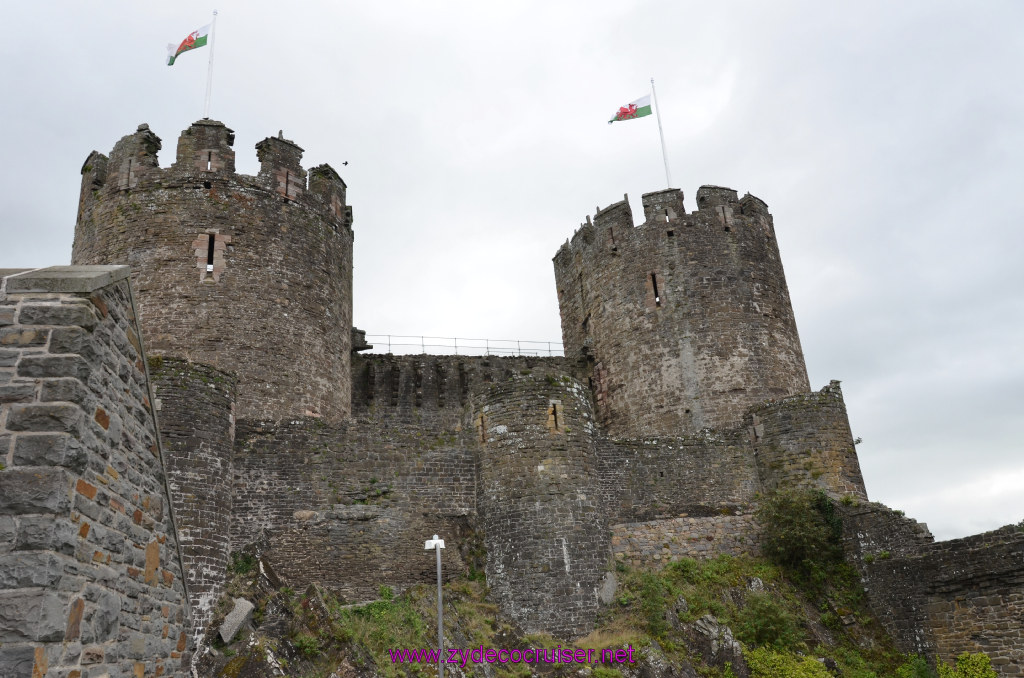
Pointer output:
x,y
209,71
664,153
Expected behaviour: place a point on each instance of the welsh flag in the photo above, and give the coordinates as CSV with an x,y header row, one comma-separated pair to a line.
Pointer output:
x,y
196,38
635,109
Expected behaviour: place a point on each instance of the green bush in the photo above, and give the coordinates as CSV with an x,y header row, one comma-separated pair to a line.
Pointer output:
x,y
915,667
767,663
307,644
764,623
968,665
802,531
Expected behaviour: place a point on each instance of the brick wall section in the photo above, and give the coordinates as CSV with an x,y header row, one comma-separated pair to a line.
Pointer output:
x,y
805,441
277,308
658,542
685,320
195,410
546,540
942,598
90,582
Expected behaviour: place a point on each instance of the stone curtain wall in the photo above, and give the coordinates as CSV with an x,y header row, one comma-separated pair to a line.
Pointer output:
x,y
546,540
805,441
658,542
700,475
276,308
685,320
942,598
90,582
351,507
195,409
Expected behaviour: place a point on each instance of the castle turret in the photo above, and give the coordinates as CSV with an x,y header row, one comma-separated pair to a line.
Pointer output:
x,y
683,322
249,275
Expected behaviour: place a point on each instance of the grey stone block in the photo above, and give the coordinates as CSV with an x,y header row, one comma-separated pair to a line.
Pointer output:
x,y
17,393
81,315
6,315
31,615
65,279
50,449
239,615
9,357
35,366
102,620
45,490
39,533
44,417
64,390
17,660
606,591
21,569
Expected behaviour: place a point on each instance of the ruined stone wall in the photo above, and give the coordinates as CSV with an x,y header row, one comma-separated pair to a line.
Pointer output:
x,y
658,542
942,598
685,320
90,581
194,407
805,441
251,275
546,540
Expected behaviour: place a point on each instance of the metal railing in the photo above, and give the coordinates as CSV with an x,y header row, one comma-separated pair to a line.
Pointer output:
x,y
408,344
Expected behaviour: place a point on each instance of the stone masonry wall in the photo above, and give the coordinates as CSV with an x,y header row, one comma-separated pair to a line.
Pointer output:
x,y
658,542
684,321
700,475
942,598
546,540
351,507
195,406
90,580
250,275
805,441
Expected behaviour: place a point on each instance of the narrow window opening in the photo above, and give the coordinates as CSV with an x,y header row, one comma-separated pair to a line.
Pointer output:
x,y
586,325
661,474
209,254
590,383
654,283
554,413
287,180
207,184
209,160
611,232
670,233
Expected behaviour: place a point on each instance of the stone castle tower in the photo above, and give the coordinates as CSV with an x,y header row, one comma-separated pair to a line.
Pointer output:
x,y
684,322
682,398
251,275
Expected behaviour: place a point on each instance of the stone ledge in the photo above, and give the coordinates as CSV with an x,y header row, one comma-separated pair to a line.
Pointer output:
x,y
56,279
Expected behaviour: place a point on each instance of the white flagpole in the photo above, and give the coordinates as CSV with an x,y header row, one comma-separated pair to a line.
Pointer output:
x,y
664,153
209,70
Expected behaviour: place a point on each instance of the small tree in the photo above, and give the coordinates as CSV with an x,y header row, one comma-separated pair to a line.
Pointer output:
x,y
802,531
968,665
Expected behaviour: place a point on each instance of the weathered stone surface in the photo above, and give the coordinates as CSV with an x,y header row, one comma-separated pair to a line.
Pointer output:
x,y
78,314
240,615
33,366
16,660
44,417
50,449
42,490
31,615
22,569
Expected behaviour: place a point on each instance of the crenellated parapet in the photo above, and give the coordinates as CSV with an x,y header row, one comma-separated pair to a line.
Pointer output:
x,y
684,321
251,275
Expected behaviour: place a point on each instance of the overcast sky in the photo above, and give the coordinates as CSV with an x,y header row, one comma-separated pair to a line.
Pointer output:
x,y
886,137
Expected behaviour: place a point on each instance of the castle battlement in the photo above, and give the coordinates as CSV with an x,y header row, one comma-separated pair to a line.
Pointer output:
x,y
205,160
248,274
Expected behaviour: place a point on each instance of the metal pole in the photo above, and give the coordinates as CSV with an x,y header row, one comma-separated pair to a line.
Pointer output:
x,y
209,69
440,616
664,153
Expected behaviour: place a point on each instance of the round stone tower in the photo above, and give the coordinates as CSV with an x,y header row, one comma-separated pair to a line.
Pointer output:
x,y
251,275
683,322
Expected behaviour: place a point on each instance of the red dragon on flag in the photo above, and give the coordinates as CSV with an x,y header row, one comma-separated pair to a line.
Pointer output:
x,y
633,110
